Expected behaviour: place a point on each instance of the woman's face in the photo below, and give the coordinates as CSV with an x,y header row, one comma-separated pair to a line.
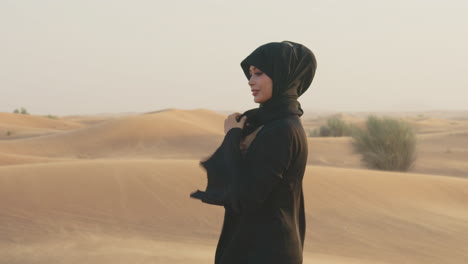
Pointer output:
x,y
260,84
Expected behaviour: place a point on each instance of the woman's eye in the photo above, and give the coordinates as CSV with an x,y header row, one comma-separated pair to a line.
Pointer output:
x,y
258,73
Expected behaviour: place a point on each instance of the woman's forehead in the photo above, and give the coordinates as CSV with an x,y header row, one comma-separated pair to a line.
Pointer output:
x,y
251,68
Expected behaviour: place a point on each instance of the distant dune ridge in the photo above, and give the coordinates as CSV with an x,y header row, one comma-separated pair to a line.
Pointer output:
x,y
175,133
115,189
20,126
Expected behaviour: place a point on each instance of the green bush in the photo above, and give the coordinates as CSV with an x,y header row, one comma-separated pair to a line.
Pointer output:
x,y
51,116
324,131
338,128
335,127
386,144
22,111
313,133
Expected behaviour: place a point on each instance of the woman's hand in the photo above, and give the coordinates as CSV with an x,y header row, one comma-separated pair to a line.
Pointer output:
x,y
231,122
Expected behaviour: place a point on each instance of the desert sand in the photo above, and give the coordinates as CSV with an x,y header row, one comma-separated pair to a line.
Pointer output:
x,y
115,189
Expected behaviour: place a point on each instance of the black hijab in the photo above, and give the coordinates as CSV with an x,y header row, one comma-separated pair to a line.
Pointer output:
x,y
291,66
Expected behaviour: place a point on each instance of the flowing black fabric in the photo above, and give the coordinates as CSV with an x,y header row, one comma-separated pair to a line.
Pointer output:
x,y
261,192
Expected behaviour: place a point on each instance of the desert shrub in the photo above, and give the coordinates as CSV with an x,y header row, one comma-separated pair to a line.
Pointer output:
x,y
335,127
324,131
386,144
52,116
22,111
312,132
338,127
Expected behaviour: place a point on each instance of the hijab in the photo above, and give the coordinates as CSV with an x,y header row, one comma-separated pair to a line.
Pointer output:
x,y
291,66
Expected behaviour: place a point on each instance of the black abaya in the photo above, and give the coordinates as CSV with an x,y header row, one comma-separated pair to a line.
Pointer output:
x,y
264,221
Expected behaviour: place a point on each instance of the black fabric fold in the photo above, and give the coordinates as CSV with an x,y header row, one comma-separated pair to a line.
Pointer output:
x,y
218,178
215,190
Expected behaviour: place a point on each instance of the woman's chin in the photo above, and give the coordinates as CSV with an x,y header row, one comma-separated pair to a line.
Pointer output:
x,y
258,100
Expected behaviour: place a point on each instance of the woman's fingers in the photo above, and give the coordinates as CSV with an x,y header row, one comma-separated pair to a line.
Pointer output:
x,y
236,114
233,121
242,120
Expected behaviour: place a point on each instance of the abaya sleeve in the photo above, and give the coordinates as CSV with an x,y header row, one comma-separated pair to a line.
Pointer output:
x,y
252,183
218,180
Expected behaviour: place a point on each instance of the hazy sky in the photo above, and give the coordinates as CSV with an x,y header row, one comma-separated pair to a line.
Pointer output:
x,y
81,57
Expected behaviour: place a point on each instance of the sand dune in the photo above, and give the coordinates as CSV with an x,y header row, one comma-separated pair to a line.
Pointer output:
x,y
10,132
30,121
139,196
333,151
442,147
438,154
387,213
175,133
434,125
355,214
14,126
14,159
115,189
443,153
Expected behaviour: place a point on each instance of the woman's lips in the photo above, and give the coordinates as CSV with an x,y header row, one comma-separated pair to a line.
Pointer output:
x,y
254,92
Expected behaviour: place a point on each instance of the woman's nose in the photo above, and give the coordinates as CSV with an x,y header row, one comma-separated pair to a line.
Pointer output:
x,y
251,81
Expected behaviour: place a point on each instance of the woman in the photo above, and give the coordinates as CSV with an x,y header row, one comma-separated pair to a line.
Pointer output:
x,y
257,172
